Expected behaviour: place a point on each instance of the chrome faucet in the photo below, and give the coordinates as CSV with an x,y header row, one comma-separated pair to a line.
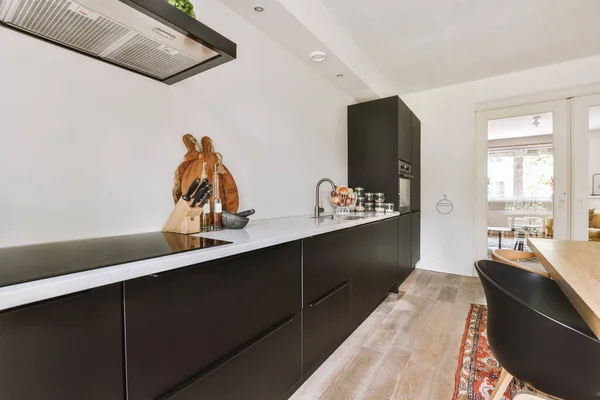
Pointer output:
x,y
318,208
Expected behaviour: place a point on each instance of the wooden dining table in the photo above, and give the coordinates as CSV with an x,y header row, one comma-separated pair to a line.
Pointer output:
x,y
575,266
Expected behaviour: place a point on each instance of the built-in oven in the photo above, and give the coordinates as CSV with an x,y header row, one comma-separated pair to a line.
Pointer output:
x,y
404,183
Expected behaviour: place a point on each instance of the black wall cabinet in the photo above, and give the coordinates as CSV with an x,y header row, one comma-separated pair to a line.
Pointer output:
x,y
65,348
373,146
405,145
181,322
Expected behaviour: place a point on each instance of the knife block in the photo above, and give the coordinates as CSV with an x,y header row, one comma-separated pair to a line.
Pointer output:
x,y
183,219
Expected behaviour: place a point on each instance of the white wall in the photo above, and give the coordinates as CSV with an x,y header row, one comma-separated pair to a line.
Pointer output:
x,y
89,150
448,135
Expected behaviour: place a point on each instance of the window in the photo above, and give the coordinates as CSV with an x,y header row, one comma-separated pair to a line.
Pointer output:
x,y
520,173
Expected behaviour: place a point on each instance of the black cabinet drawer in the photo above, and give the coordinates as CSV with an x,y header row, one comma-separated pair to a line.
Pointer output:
x,y
183,321
266,369
326,263
66,348
326,324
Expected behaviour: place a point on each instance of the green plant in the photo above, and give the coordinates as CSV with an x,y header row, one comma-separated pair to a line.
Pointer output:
x,y
184,5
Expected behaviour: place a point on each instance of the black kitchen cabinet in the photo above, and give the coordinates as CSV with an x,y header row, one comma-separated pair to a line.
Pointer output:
x,y
181,322
70,347
326,263
415,249
381,132
327,268
405,152
346,276
373,141
387,253
374,266
366,280
327,323
415,193
268,368
405,248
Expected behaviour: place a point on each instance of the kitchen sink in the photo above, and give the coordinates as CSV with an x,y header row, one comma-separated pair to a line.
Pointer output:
x,y
341,217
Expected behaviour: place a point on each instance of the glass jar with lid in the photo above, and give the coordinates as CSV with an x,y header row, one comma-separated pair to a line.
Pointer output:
x,y
378,197
360,204
359,192
388,207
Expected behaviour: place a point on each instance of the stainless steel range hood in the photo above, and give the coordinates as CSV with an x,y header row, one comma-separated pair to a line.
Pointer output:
x,y
149,37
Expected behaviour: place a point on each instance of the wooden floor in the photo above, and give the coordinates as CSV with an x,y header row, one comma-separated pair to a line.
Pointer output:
x,y
407,349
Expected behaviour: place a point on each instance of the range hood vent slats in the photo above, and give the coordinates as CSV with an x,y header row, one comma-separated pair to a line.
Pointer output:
x,y
57,20
150,37
146,55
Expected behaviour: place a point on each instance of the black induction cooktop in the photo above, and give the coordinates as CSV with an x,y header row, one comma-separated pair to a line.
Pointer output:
x,y
29,263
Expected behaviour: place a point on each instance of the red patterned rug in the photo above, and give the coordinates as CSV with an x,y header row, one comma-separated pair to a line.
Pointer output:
x,y
478,370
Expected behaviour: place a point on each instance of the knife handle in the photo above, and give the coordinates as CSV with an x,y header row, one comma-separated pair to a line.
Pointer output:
x,y
205,197
191,189
197,197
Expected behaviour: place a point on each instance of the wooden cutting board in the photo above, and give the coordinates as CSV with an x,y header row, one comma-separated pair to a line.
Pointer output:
x,y
227,188
191,156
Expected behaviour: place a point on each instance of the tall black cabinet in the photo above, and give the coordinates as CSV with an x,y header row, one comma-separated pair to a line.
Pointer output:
x,y
415,195
381,132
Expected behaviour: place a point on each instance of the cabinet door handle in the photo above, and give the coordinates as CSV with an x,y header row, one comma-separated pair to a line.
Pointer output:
x,y
328,294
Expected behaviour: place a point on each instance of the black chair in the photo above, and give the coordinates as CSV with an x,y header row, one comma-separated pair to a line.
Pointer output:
x,y
537,335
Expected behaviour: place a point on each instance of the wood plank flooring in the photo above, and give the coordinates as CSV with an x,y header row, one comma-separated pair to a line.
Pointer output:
x,y
408,347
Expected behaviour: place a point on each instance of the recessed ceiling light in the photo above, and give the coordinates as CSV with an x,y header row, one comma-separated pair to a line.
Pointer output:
x,y
340,75
318,56
259,9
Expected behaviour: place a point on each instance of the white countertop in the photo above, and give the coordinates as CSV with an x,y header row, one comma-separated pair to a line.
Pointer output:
x,y
257,235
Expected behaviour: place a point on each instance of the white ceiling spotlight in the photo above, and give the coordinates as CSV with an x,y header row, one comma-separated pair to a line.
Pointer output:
x,y
318,56
259,8
536,121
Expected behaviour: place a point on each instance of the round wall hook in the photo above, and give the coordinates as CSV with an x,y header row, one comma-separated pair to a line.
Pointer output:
x,y
445,206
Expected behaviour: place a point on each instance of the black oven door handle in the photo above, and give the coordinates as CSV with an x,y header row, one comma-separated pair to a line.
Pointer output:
x,y
407,176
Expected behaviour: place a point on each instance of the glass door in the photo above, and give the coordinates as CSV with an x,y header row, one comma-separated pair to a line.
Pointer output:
x,y
585,208
521,176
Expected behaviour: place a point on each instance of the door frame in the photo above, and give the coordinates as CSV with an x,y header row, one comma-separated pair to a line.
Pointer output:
x,y
561,201
581,184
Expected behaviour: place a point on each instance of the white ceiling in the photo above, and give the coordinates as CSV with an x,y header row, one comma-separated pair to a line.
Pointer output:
x,y
279,24
522,126
516,127
424,44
